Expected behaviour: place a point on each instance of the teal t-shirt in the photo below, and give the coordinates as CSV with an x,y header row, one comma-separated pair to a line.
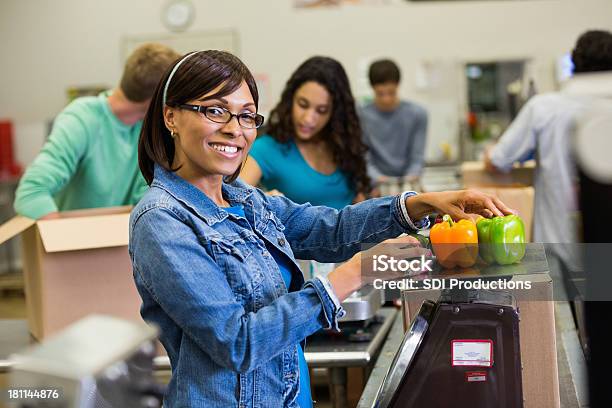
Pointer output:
x,y
283,168
304,398
90,160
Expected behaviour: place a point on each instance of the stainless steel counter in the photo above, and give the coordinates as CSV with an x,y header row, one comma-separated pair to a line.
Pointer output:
x,y
388,351
328,351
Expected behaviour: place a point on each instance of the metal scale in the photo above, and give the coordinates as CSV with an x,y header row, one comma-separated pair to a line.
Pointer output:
x,y
461,351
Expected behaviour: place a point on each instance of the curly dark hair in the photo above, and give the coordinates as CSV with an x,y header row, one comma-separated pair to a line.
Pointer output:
x,y
342,133
593,52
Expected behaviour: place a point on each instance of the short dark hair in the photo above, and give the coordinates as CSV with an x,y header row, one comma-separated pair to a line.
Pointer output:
x,y
198,74
593,52
143,70
383,71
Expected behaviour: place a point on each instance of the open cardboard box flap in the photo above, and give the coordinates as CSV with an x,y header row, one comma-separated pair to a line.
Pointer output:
x,y
70,234
14,226
75,230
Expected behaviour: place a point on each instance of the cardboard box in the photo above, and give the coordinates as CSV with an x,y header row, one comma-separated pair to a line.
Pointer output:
x,y
74,266
475,175
537,337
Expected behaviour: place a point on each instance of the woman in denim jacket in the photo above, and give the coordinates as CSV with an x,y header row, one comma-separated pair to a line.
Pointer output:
x,y
214,259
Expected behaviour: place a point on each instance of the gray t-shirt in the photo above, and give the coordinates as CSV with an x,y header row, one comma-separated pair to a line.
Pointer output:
x,y
396,139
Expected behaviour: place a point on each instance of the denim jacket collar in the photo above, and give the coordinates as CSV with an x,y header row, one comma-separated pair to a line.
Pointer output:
x,y
193,198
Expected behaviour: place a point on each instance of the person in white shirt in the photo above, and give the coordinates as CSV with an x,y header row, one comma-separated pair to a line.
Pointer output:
x,y
543,128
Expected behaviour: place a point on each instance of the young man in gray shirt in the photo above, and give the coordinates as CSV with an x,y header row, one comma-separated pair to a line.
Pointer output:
x,y
394,130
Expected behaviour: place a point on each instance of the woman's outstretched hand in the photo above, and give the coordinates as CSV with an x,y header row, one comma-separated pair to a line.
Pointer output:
x,y
462,204
357,271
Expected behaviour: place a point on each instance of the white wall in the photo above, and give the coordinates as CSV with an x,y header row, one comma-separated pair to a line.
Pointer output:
x,y
50,45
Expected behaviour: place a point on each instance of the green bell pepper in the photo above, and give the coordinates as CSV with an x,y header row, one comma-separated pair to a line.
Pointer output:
x,y
501,239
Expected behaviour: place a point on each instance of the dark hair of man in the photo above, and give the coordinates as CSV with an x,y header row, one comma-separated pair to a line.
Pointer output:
x,y
197,75
593,52
342,133
383,71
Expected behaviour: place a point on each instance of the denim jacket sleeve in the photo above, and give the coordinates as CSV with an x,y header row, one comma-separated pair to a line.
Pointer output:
x,y
329,235
172,264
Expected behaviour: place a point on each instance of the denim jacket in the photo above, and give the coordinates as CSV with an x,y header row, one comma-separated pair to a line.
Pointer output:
x,y
230,326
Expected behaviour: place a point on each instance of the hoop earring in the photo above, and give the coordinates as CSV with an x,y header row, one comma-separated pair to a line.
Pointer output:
x,y
173,134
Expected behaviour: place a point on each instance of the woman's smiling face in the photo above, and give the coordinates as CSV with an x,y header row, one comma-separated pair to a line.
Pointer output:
x,y
205,148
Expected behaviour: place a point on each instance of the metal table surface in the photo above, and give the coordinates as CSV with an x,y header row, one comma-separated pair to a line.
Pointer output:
x,y
14,336
388,351
329,351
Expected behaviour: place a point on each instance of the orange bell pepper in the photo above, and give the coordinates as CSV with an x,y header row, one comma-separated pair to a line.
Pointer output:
x,y
455,243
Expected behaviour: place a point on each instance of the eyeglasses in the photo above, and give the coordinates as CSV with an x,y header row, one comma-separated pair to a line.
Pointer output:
x,y
222,115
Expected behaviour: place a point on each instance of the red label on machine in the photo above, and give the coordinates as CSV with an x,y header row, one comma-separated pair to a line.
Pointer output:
x,y
475,376
475,353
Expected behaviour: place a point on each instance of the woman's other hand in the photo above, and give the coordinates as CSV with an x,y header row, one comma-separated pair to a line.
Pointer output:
x,y
353,274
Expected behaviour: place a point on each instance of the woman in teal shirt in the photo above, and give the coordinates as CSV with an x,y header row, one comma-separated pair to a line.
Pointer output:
x,y
313,150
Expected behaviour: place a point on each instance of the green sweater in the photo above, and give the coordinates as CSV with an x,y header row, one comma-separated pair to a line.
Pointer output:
x,y
90,160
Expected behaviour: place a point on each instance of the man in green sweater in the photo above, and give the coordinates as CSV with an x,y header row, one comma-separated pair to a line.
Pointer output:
x,y
90,159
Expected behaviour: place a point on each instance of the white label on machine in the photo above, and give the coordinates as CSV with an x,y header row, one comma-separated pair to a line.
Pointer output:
x,y
476,376
478,353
